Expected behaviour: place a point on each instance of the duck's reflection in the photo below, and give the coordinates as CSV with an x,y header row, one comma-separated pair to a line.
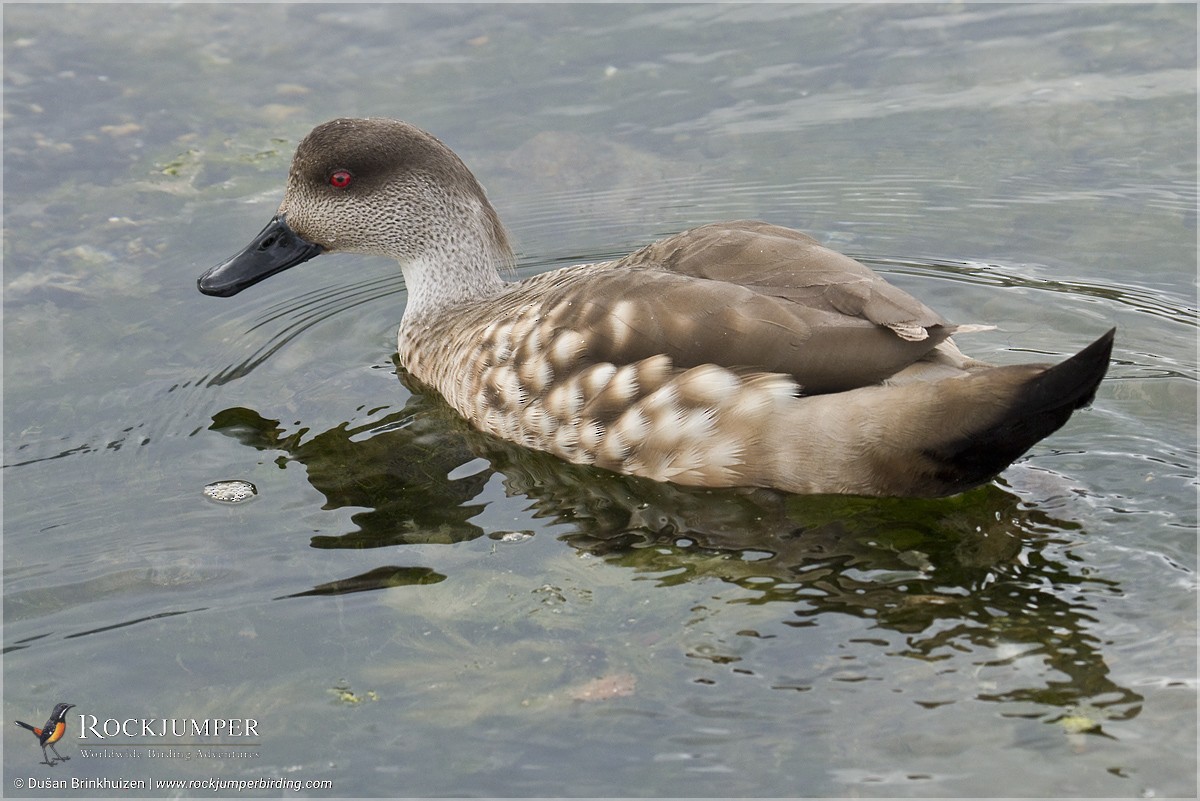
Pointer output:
x,y
377,579
963,572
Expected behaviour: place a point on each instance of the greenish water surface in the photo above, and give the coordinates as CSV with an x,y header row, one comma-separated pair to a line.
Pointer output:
x,y
408,608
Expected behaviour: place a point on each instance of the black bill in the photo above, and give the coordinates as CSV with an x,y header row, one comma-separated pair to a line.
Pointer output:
x,y
276,248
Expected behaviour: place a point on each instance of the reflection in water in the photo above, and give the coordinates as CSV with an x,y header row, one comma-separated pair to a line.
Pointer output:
x,y
397,468
378,579
961,574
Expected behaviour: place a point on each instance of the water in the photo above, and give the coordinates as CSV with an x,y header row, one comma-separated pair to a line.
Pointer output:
x,y
408,608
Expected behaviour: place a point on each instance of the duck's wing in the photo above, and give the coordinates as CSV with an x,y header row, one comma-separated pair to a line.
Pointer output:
x,y
790,265
755,297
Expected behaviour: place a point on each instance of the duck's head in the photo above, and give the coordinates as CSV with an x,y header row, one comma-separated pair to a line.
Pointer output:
x,y
374,186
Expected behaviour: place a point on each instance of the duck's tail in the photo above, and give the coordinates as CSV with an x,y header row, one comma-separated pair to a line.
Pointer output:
x,y
1040,404
937,438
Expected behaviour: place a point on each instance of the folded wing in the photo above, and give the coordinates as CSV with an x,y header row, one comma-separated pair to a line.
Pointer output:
x,y
771,300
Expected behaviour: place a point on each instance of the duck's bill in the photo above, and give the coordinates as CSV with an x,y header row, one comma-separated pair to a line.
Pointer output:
x,y
276,248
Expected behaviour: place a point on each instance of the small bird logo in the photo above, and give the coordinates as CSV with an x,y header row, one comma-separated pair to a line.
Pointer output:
x,y
51,733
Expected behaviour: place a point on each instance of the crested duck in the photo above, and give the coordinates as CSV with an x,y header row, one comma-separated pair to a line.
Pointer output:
x,y
733,354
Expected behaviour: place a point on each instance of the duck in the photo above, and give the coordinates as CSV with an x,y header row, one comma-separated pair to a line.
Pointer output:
x,y
733,354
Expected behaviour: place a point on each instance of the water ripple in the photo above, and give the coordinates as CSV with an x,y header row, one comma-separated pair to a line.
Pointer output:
x,y
1154,301
302,313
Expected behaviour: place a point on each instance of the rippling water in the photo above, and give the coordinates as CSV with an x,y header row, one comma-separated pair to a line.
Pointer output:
x,y
412,608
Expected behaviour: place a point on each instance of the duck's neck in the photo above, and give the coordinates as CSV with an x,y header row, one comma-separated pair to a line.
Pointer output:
x,y
460,266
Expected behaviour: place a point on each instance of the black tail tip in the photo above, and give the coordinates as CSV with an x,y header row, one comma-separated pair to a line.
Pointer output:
x,y
1081,373
1042,406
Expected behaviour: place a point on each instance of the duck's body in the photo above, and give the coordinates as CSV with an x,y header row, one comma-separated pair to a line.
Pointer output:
x,y
735,354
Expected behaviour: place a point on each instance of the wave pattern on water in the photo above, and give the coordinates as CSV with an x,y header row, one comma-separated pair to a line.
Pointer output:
x,y
1155,301
302,313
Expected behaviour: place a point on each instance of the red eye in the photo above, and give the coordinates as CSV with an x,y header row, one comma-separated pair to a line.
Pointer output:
x,y
341,179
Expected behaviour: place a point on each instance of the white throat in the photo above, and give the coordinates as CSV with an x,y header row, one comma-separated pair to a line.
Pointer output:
x,y
440,281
